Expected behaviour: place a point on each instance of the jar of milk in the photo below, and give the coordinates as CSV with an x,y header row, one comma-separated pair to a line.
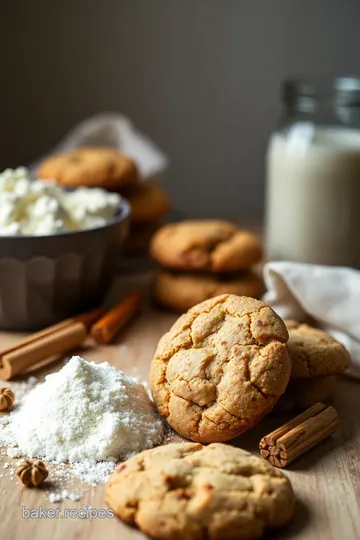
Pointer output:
x,y
313,175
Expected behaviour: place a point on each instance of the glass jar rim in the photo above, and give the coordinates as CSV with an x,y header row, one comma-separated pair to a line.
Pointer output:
x,y
343,89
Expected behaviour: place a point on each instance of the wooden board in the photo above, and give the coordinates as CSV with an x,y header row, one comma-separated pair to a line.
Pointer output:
x,y
326,480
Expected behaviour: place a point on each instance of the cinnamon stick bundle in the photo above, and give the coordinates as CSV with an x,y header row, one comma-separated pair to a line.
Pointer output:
x,y
290,441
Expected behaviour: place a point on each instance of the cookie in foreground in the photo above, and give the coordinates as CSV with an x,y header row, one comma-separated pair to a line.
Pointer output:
x,y
193,492
220,368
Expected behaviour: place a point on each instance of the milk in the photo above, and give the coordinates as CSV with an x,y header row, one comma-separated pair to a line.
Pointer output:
x,y
313,195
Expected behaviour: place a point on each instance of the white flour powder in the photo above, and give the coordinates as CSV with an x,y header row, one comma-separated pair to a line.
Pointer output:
x,y
85,413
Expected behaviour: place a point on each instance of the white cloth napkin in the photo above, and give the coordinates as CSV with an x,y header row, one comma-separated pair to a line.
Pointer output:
x,y
115,130
330,295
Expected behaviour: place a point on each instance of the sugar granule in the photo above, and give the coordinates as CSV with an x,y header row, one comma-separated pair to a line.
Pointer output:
x,y
54,497
93,473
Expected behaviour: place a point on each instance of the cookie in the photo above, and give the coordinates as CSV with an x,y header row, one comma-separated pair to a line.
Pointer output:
x,y
211,245
148,202
181,291
314,352
92,167
188,491
303,393
220,368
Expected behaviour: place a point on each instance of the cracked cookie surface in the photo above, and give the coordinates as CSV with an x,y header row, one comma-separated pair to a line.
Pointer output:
x,y
220,368
92,167
314,352
189,491
211,245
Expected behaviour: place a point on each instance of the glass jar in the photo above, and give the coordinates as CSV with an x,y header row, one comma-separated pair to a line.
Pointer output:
x,y
313,175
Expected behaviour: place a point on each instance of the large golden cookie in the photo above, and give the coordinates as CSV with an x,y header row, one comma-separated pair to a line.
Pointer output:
x,y
220,368
93,167
190,492
212,245
181,291
301,394
314,352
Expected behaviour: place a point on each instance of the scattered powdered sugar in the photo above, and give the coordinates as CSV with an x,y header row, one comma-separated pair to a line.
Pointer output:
x,y
93,473
87,414
73,496
14,451
20,389
54,497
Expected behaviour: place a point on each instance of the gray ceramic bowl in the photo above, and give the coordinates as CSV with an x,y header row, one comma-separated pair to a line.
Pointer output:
x,y
44,279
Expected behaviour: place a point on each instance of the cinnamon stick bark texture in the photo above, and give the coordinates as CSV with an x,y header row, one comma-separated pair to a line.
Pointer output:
x,y
63,340
290,441
109,325
56,339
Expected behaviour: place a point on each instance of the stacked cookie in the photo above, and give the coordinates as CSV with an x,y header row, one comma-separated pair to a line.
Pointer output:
x,y
317,359
90,167
149,204
109,169
202,259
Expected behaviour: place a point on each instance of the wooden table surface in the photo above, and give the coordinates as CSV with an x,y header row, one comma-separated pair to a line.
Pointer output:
x,y
326,481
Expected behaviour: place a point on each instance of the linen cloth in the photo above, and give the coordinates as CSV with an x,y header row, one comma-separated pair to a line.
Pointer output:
x,y
328,296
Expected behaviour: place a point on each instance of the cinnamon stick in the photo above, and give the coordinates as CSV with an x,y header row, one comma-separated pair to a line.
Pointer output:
x,y
290,441
59,342
104,330
89,317
52,341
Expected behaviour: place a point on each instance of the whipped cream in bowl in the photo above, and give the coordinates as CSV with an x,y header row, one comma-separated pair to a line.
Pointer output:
x,y
58,248
40,207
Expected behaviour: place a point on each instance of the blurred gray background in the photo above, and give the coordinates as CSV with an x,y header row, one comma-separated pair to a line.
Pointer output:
x,y
201,78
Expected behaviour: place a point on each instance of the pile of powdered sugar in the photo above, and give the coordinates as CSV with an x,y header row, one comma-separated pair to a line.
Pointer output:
x,y
88,414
